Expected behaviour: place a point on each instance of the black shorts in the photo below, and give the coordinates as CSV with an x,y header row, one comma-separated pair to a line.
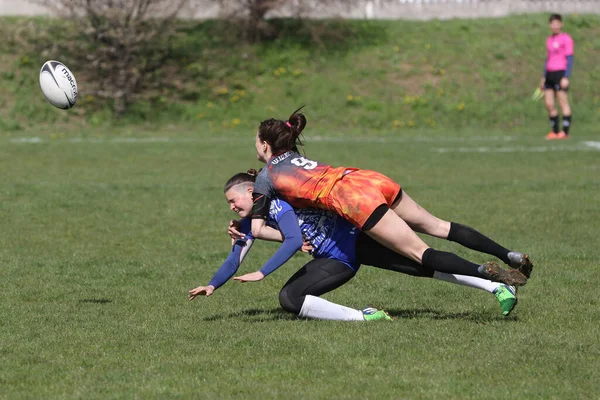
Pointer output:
x,y
553,80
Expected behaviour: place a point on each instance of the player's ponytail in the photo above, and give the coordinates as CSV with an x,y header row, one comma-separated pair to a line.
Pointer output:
x,y
248,177
283,135
297,122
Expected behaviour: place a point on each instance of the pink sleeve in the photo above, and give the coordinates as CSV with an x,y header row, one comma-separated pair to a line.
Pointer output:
x,y
568,46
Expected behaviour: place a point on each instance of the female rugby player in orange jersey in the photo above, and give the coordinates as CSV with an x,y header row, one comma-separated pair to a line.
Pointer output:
x,y
371,201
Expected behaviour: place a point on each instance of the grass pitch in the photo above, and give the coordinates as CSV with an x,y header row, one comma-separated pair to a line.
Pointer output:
x,y
102,237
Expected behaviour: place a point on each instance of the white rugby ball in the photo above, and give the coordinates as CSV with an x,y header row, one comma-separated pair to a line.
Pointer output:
x,y
58,84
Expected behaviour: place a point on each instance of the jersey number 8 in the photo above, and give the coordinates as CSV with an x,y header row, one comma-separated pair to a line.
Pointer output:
x,y
304,163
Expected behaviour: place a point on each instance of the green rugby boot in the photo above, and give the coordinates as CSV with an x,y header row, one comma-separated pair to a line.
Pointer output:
x,y
373,314
507,298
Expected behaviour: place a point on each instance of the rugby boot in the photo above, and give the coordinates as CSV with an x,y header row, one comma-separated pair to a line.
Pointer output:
x,y
493,272
520,262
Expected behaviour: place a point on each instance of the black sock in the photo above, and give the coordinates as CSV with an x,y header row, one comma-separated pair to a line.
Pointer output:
x,y
474,240
449,263
566,123
554,124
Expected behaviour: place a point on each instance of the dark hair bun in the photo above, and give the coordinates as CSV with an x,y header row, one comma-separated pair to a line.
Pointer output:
x,y
252,172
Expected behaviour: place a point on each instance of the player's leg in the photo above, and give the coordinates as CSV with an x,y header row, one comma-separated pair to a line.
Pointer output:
x,y
319,276
394,233
420,220
505,294
549,94
565,108
370,252
364,198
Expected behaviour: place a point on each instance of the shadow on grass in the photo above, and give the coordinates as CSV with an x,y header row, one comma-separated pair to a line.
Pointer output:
x,y
255,315
274,314
96,301
472,316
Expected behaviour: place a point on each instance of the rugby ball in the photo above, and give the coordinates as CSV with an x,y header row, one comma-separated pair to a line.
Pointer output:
x,y
58,84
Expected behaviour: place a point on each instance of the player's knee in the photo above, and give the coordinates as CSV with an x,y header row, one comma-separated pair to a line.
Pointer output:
x,y
289,302
438,228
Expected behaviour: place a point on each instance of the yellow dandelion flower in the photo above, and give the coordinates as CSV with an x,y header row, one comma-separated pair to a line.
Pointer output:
x,y
276,72
349,97
461,106
235,98
411,124
396,123
209,104
200,116
235,121
282,70
427,46
396,49
297,72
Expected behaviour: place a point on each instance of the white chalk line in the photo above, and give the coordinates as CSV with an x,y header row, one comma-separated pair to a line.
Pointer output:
x,y
582,146
558,147
322,139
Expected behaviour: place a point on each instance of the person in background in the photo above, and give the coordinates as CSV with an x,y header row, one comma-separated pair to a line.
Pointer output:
x,y
555,83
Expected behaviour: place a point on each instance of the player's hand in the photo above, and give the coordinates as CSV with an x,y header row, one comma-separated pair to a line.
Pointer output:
x,y
306,247
542,82
251,277
201,290
234,230
564,82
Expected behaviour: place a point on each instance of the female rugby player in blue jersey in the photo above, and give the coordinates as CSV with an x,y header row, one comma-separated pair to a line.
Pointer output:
x,y
372,202
339,249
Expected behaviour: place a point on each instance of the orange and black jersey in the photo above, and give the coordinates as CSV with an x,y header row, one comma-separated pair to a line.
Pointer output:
x,y
299,181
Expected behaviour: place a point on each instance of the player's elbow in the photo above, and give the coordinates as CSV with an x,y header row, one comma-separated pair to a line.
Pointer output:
x,y
255,231
295,242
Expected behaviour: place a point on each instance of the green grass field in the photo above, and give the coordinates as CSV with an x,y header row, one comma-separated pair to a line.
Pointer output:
x,y
103,235
106,224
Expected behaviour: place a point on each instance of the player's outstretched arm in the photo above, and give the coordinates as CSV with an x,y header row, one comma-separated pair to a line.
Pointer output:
x,y
227,269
